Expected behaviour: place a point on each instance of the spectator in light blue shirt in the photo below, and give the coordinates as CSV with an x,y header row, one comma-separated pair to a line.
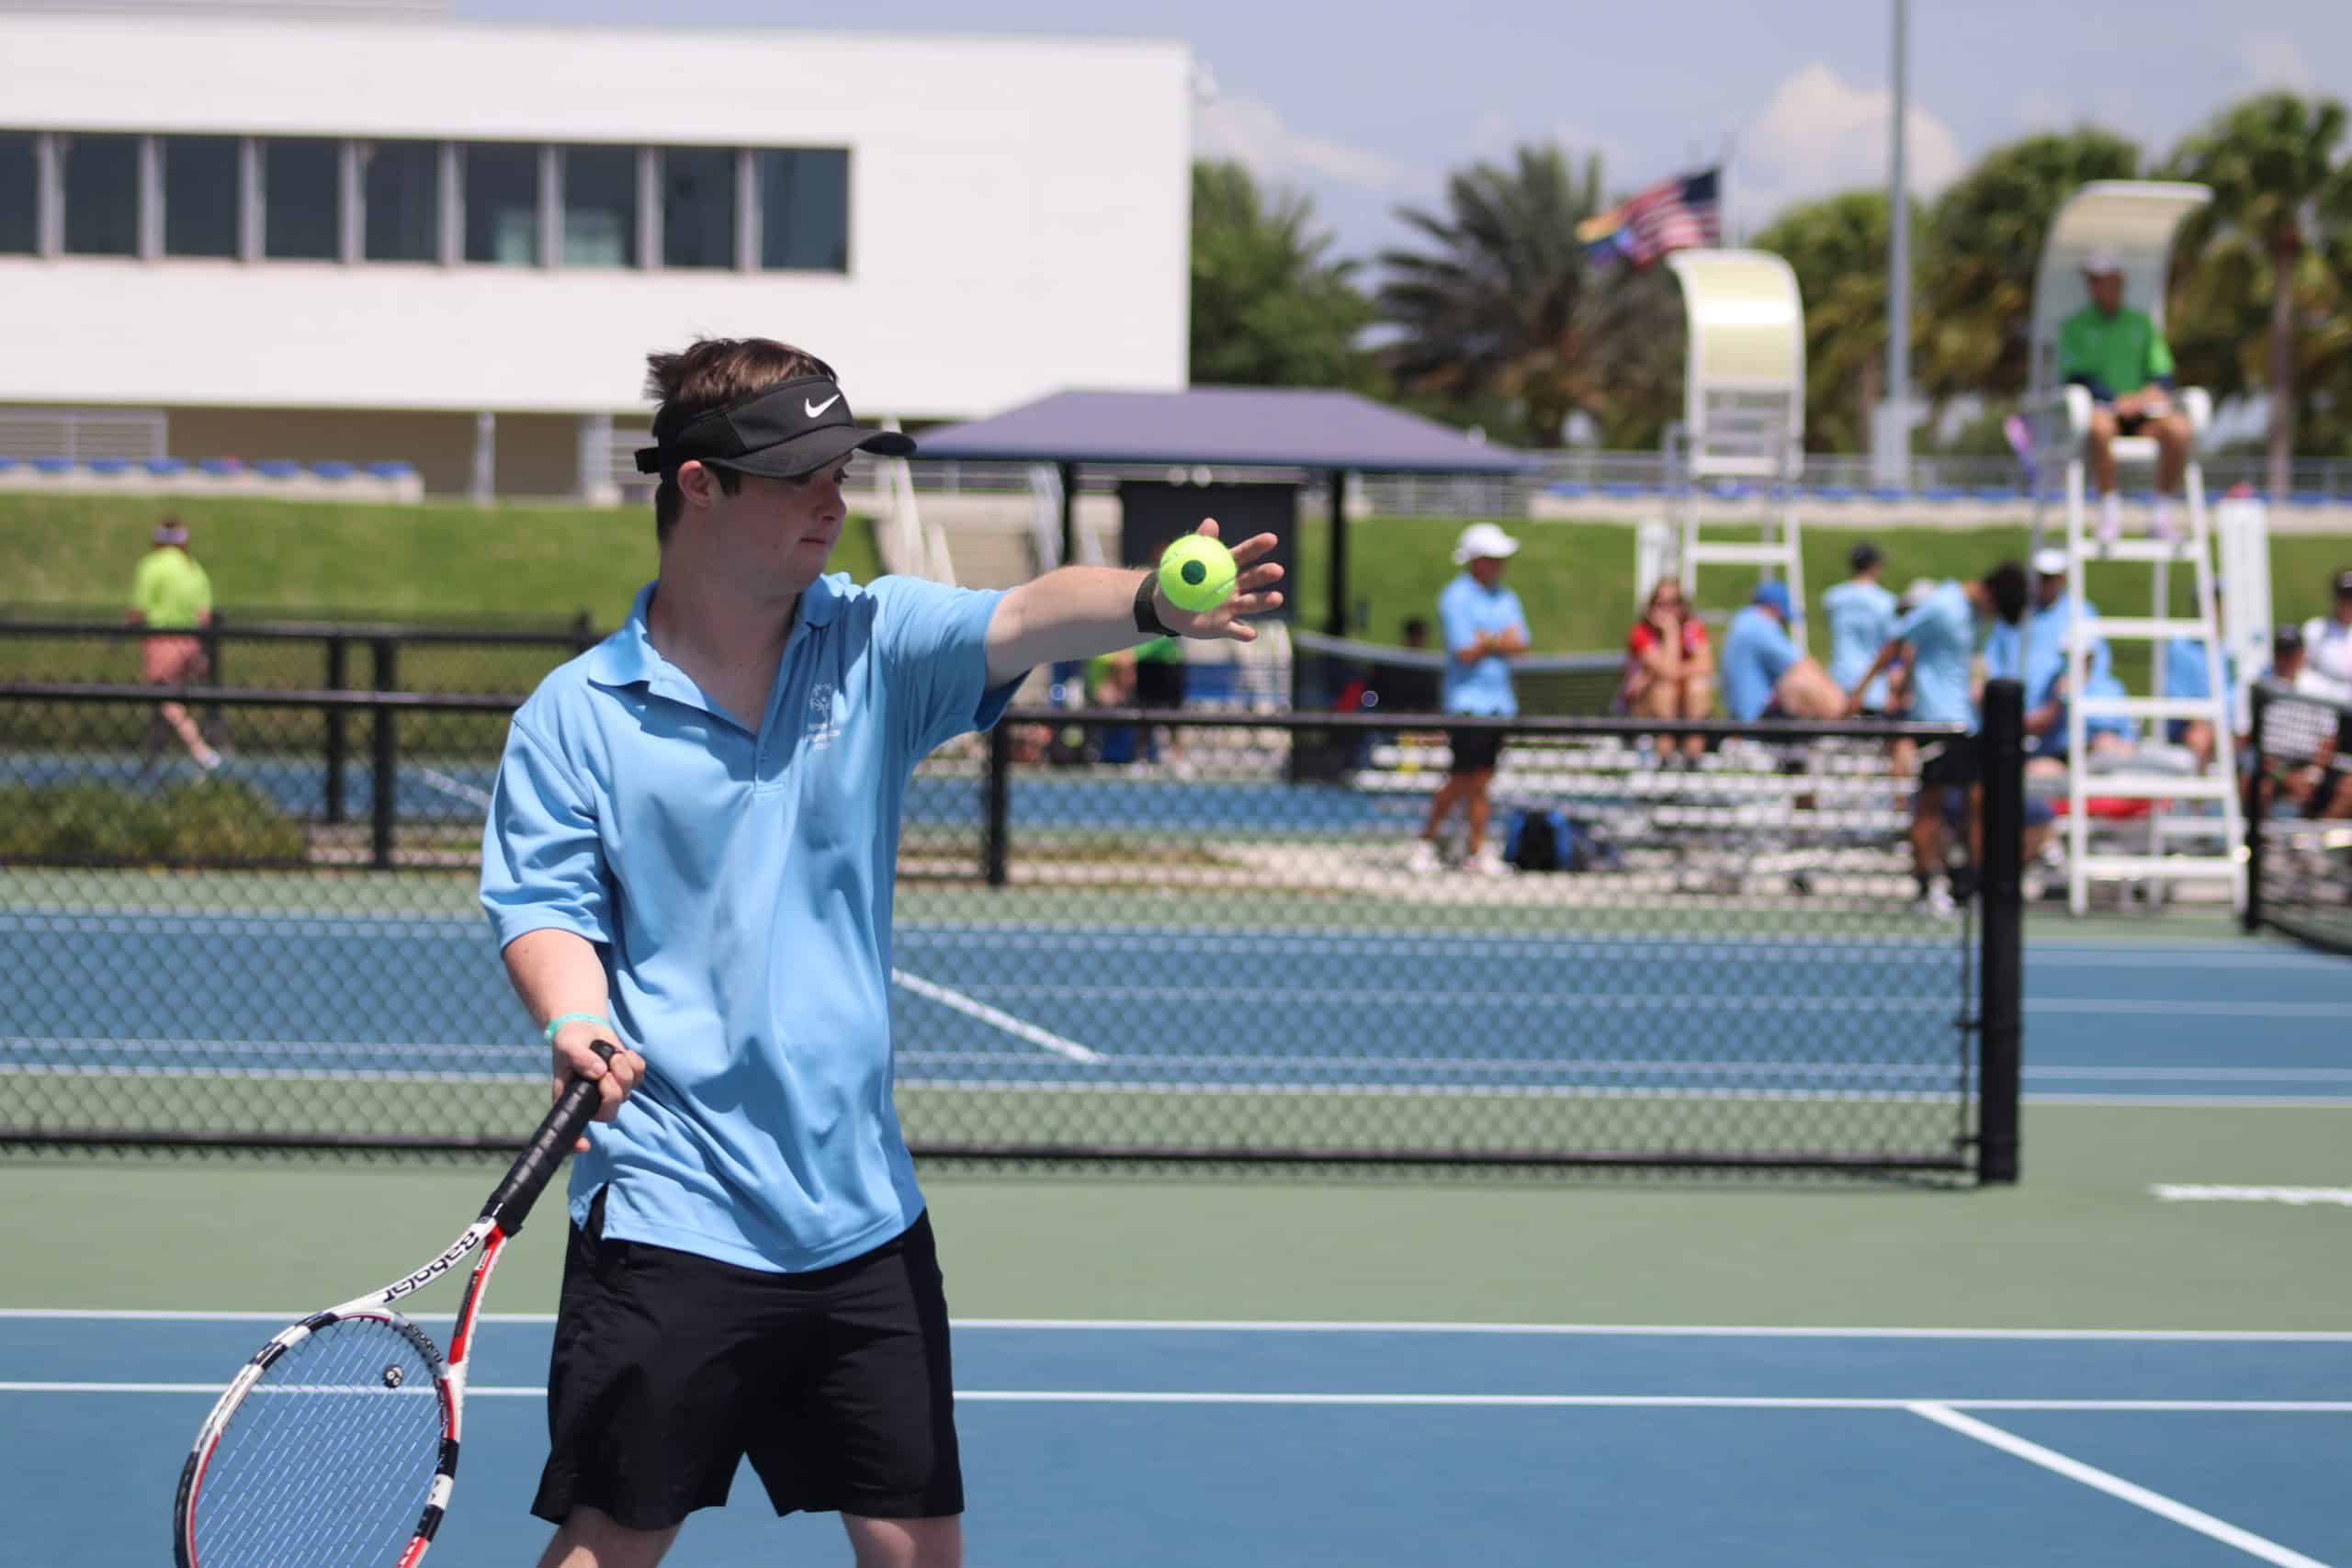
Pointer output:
x,y
1860,612
2042,668
1485,629
1940,632
1764,674
2185,675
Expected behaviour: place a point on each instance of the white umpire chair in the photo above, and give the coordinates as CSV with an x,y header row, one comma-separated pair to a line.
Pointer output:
x,y
2136,220
1744,412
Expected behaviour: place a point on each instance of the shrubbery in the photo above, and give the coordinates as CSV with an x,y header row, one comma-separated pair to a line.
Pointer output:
x,y
213,823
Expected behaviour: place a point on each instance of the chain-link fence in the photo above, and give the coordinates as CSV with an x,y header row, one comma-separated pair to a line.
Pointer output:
x,y
1118,934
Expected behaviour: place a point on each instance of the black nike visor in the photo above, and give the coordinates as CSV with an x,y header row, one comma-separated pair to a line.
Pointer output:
x,y
786,433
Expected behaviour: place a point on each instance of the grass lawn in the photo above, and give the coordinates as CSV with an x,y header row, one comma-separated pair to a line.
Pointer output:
x,y
543,565
437,561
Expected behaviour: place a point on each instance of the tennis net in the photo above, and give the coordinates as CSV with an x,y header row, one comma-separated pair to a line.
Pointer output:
x,y
2300,818
1119,934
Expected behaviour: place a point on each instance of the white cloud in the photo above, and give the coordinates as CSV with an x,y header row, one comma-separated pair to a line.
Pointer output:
x,y
1821,134
2273,58
1251,133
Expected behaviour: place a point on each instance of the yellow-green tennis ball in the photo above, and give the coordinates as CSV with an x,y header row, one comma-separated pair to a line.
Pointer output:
x,y
1196,573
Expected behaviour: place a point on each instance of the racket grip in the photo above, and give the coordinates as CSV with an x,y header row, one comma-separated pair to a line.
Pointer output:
x,y
510,1205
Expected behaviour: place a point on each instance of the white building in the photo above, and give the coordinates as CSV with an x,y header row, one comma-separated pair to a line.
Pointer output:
x,y
307,237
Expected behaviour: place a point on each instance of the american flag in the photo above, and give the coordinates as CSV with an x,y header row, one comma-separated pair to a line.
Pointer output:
x,y
1672,215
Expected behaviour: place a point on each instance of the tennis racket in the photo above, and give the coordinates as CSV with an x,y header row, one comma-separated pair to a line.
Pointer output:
x,y
336,1447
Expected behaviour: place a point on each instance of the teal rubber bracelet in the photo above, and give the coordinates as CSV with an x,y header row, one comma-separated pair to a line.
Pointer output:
x,y
561,1020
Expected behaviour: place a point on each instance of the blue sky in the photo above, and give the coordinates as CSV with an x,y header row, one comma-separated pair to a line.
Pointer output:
x,y
1366,106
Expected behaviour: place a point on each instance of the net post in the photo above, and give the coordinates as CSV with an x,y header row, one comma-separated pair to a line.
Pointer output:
x,y
2255,807
2001,930
386,757
338,725
998,788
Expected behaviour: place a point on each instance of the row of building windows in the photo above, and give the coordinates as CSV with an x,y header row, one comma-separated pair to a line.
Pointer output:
x,y
484,203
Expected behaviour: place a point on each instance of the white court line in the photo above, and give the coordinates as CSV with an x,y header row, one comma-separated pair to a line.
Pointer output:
x,y
2217,1074
1573,1000
1019,1029
336,1052
1934,1096
449,786
1444,996
1426,1401
2195,1101
1335,1325
2097,1006
2156,1503
2138,958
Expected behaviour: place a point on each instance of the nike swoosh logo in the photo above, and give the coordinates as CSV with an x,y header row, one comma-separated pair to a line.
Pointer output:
x,y
816,409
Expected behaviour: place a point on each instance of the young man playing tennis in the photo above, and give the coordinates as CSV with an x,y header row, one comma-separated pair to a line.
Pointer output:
x,y
690,854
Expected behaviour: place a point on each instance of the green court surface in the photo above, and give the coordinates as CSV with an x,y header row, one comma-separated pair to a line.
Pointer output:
x,y
2083,1242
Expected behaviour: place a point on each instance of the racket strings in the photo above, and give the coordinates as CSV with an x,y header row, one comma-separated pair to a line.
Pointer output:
x,y
329,1459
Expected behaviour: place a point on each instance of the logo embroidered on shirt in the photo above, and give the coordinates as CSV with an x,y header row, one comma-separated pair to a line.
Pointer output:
x,y
824,715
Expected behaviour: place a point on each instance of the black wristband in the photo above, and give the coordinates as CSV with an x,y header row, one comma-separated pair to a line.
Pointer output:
x,y
1147,612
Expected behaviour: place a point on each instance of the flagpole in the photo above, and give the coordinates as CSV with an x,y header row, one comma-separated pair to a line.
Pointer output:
x,y
1896,464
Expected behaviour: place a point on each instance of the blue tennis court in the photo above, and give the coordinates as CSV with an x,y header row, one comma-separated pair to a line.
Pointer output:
x,y
1018,1003
1156,1444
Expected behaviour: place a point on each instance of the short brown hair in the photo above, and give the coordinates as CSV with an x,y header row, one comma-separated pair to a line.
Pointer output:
x,y
711,373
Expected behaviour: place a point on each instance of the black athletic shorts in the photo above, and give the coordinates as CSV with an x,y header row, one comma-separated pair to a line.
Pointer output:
x,y
669,1368
1474,749
1159,684
1949,767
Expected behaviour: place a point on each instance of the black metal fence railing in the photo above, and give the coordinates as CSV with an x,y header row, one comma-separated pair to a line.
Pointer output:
x,y
2299,817
1118,934
319,654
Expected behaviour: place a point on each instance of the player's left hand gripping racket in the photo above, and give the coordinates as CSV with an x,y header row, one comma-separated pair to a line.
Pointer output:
x,y
336,1447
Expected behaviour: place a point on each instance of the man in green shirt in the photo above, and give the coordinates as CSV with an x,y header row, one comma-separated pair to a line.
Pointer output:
x,y
171,595
2121,357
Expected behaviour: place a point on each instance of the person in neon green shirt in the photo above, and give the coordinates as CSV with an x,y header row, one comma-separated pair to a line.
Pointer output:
x,y
172,595
2120,355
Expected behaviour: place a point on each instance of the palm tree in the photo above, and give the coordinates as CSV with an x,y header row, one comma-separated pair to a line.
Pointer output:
x,y
1269,306
2269,159
1504,306
1983,244
1837,249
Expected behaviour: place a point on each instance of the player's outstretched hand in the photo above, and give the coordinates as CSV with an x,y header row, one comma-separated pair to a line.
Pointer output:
x,y
1253,594
575,1057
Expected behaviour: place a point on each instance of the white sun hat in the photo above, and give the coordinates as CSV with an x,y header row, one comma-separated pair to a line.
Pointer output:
x,y
1483,541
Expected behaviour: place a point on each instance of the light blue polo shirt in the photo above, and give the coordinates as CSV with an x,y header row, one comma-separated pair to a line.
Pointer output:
x,y
2185,673
2046,660
738,887
1758,650
1942,630
1467,608
2047,656
1862,621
